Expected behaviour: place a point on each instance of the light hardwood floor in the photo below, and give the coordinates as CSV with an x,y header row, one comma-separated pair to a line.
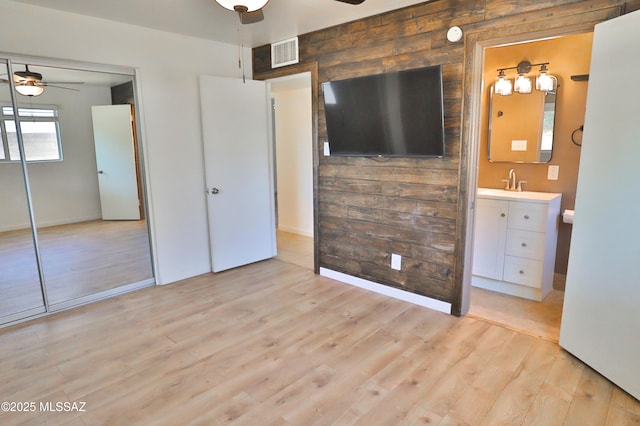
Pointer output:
x,y
541,319
273,344
295,248
78,259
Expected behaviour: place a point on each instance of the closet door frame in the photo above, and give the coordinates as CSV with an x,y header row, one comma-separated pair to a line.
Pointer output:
x,y
17,316
48,307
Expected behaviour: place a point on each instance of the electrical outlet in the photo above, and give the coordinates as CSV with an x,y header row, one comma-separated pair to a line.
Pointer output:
x,y
396,262
327,151
552,172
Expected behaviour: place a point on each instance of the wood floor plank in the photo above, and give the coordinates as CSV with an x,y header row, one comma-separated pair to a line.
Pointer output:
x,y
363,399
515,400
623,401
474,404
590,405
565,372
273,344
463,375
550,406
618,416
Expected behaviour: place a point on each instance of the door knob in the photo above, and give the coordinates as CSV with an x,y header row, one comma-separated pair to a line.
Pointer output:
x,y
100,172
215,191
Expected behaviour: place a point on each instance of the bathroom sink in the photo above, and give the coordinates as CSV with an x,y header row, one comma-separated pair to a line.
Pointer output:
x,y
515,195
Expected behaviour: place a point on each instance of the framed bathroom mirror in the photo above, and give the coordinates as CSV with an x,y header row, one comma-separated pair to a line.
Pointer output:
x,y
521,127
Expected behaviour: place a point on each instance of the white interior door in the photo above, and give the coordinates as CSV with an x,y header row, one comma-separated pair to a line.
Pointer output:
x,y
115,158
238,164
601,318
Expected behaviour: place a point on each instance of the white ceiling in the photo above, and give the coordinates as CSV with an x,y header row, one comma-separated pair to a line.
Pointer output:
x,y
206,19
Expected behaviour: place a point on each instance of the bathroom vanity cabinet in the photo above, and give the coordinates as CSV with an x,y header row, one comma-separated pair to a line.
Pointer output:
x,y
515,242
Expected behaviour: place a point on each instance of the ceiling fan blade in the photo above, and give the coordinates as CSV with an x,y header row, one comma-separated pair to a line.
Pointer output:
x,y
46,83
60,87
352,1
251,17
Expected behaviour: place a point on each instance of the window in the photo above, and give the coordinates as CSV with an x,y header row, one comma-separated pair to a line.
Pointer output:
x,y
40,134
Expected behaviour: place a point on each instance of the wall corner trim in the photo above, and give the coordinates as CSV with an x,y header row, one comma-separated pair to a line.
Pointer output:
x,y
416,299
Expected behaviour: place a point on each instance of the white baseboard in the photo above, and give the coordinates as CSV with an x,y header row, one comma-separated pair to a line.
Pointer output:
x,y
48,223
530,293
416,299
296,231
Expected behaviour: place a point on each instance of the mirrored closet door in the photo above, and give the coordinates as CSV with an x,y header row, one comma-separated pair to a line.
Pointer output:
x,y
21,294
85,180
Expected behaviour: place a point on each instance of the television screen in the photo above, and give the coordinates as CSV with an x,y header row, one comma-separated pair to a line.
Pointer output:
x,y
397,114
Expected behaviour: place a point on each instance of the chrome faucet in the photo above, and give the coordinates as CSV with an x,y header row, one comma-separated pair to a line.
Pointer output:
x,y
513,182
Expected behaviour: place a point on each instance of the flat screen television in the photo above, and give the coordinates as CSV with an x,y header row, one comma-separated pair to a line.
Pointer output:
x,y
398,114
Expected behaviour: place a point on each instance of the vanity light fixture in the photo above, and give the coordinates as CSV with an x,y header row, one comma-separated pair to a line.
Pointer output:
x,y
503,85
545,82
522,84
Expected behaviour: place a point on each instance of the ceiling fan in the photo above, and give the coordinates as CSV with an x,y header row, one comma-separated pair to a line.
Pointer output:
x,y
29,83
250,11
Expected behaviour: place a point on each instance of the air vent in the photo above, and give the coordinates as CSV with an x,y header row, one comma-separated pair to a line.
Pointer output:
x,y
284,53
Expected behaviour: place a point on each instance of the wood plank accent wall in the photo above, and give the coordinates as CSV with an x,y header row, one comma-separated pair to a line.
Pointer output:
x,y
413,207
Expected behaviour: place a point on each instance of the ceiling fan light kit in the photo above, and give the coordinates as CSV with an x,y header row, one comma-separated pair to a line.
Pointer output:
x,y
250,11
30,88
241,5
30,83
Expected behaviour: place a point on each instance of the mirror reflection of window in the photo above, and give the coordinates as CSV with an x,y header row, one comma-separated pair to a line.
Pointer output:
x,y
40,134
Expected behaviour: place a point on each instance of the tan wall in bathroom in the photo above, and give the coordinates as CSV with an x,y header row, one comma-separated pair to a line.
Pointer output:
x,y
567,56
516,117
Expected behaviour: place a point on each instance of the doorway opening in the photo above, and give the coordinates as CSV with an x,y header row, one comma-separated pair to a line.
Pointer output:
x,y
293,167
566,56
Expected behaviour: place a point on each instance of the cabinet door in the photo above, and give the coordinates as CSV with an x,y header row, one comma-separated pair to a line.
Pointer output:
x,y
529,245
528,216
523,271
490,238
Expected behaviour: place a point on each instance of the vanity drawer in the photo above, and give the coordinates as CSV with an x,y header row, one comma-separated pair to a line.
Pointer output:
x,y
523,271
527,216
525,244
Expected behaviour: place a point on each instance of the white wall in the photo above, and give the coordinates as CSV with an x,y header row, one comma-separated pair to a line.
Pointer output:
x,y
294,158
168,67
66,191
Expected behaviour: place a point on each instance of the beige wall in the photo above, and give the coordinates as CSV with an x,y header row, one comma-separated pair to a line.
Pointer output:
x,y
294,158
516,117
567,56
